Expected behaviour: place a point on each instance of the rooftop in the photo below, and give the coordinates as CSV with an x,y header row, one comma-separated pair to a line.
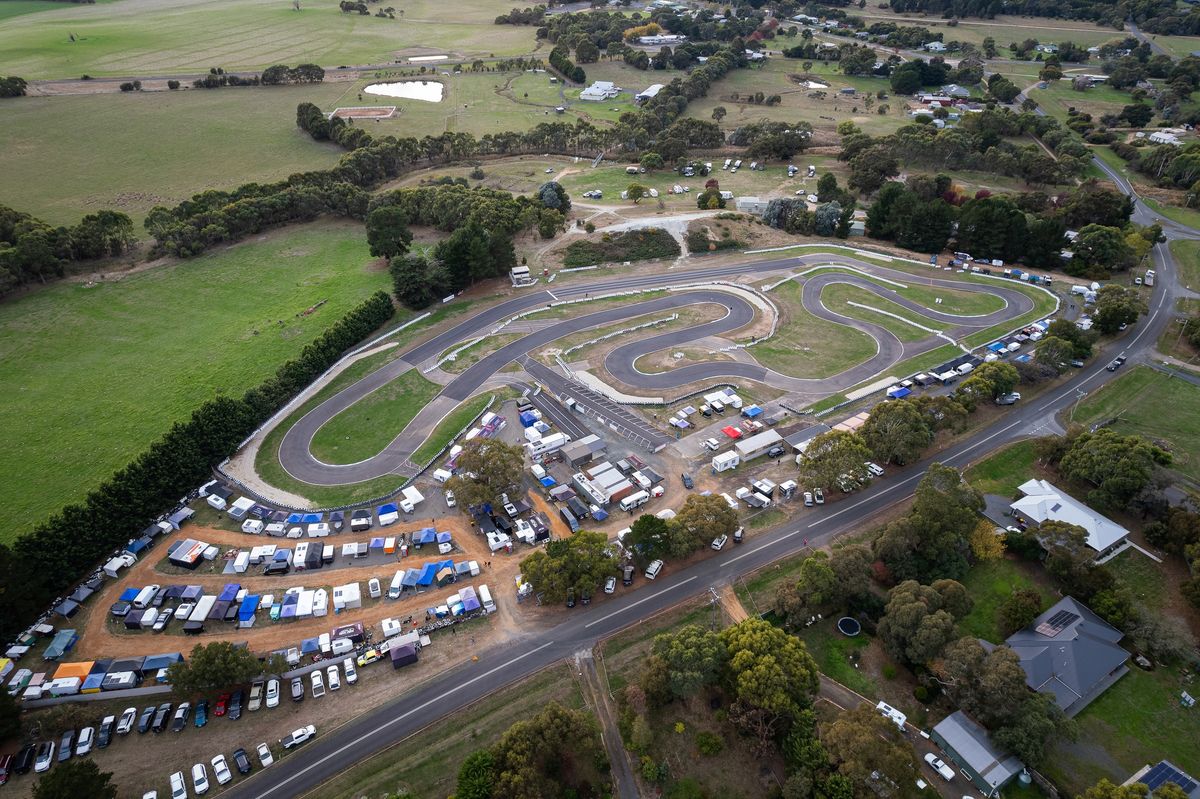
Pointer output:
x,y
1042,502
971,743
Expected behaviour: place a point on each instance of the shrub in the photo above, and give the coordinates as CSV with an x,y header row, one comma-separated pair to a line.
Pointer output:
x,y
172,85
628,245
889,671
589,227
477,173
921,693
709,743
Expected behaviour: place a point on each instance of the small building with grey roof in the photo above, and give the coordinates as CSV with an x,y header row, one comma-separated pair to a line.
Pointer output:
x,y
967,744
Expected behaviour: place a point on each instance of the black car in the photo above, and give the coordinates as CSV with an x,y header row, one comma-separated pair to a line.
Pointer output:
x,y
66,746
627,575
241,760
24,761
160,717
687,481
104,737
145,719
181,717
586,597
571,597
235,705
775,452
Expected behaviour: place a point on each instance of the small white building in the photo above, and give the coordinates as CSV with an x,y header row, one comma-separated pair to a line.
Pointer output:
x,y
600,91
648,93
934,47
1044,502
1164,137
662,39
751,205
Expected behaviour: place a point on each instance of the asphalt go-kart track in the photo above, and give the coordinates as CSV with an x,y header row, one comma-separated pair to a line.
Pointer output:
x,y
457,688
687,289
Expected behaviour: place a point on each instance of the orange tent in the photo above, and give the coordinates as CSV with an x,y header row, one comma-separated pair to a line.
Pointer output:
x,y
81,670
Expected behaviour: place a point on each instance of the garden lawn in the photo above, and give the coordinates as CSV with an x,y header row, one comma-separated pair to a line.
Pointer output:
x,y
95,374
832,651
139,150
807,346
175,36
1002,472
989,583
1154,405
449,427
367,426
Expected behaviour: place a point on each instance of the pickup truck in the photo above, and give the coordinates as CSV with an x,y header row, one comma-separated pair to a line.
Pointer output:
x,y
297,737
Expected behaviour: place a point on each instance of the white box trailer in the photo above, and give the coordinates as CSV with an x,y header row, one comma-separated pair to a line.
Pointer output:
x,y
635,500
67,686
277,529
485,599
252,526
550,443
320,602
203,605
122,561
319,530
726,461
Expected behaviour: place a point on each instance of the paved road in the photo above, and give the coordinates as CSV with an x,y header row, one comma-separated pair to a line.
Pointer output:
x,y
295,448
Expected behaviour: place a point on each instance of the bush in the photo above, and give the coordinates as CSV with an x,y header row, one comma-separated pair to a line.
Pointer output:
x,y
709,743
628,245
172,85
698,242
921,693
589,227
477,173
889,671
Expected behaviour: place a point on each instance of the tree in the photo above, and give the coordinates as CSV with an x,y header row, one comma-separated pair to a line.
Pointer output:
x,y
75,778
414,283
213,667
897,432
932,540
651,161
1055,353
694,658
816,590
579,563
1119,467
1018,609
387,231
986,543
475,776
648,539
635,192
719,113
1117,306
487,468
831,455
871,168
770,673
920,619
552,195
1107,790
1098,251
1081,340
1002,376
551,754
865,746
698,522
10,717
992,227
827,188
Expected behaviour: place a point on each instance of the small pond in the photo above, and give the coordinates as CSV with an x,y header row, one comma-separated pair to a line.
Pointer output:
x,y
428,90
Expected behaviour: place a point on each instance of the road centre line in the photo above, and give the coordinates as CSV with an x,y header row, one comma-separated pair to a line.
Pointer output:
x,y
761,547
403,716
640,601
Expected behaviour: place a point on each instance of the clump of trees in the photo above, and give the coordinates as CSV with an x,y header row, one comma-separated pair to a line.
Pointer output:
x,y
932,541
527,16
577,564
560,59
214,667
487,468
31,251
696,524
12,86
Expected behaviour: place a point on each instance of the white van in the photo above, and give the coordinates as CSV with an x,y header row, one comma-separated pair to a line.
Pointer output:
x,y
145,597
634,500
485,599
653,569
396,586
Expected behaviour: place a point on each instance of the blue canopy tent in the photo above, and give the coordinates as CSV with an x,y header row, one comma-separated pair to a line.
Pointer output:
x,y
137,546
309,645
295,518
156,662
192,592
313,518
898,392
64,641
426,535
752,411
444,538
548,481
229,592
128,595
410,579
388,508
260,512
427,574
996,346
92,683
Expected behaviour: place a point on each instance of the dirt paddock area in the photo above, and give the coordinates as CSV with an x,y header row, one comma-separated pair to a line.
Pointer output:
x,y
366,112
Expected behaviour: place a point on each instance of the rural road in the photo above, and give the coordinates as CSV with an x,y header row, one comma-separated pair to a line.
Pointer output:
x,y
295,448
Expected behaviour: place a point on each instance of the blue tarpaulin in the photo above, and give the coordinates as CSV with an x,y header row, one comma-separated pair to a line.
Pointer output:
x,y
313,518
388,508
249,605
134,547
752,411
1025,358
898,392
229,592
128,595
426,535
996,346
548,481
295,518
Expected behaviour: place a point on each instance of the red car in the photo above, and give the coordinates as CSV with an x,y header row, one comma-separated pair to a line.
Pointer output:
x,y
222,705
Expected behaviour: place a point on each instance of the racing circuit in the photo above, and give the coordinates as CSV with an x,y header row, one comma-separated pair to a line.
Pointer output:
x,y
687,289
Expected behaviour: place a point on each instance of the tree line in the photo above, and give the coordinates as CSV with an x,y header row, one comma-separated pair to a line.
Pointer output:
x,y
31,251
277,75
1153,16
46,561
560,59
527,16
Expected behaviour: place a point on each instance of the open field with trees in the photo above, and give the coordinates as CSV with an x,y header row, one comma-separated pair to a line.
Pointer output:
x,y
139,38
97,372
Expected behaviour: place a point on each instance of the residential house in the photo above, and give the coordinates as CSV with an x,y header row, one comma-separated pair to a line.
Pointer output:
x,y
1046,48
1043,502
1163,137
954,90
647,93
968,745
600,91
1154,777
934,47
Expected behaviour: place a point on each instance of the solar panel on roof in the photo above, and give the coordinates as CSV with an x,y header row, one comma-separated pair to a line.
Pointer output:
x,y
1165,772
1057,623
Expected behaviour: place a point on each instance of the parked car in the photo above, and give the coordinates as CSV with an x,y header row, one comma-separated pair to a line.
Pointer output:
x,y
160,717
125,725
66,746
25,758
877,470
570,597
712,444
1077,363
222,706
201,713
264,755
145,720
104,738
199,778
610,585
819,496
627,573
808,499
273,692
256,692
6,768
940,767
739,534
450,501
45,756
351,672
181,716
297,689
221,770
687,481
585,598
235,704
318,684
162,621
178,786
297,737
241,760
333,677
87,736
366,658
776,452
719,542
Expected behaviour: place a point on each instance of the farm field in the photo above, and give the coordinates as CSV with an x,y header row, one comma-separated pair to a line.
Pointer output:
x,y
173,36
144,149
118,362
1154,405
1097,101
1003,28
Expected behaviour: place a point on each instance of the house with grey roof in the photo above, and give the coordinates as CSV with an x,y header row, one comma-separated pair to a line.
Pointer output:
x,y
968,745
1070,653
1164,771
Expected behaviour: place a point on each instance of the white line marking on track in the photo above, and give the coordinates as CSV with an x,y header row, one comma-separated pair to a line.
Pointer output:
x,y
403,716
640,601
551,293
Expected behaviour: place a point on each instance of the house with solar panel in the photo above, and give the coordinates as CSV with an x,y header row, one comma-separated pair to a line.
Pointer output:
x,y
969,747
1162,772
1069,653
1042,501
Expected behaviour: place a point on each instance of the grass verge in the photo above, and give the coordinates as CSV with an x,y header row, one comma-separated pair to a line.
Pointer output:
x,y
1003,471
449,427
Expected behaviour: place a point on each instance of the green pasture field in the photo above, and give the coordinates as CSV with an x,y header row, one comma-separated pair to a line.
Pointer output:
x,y
1184,216
838,297
1154,405
612,179
1178,46
130,152
1058,97
16,8
807,346
175,36
96,373
1003,28
449,427
366,427
1187,258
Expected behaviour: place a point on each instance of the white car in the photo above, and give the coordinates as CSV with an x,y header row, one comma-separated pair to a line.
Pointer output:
x,y
874,468
450,501
178,786
221,770
318,685
335,679
127,719
184,610
719,542
940,767
299,736
264,755
150,795
273,692
351,671
45,756
87,737
199,779
712,444
610,585
808,499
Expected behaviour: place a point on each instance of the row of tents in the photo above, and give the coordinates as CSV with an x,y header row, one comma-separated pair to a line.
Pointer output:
x,y
89,676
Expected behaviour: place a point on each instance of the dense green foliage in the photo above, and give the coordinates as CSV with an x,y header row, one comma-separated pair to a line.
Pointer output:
x,y
33,251
626,245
